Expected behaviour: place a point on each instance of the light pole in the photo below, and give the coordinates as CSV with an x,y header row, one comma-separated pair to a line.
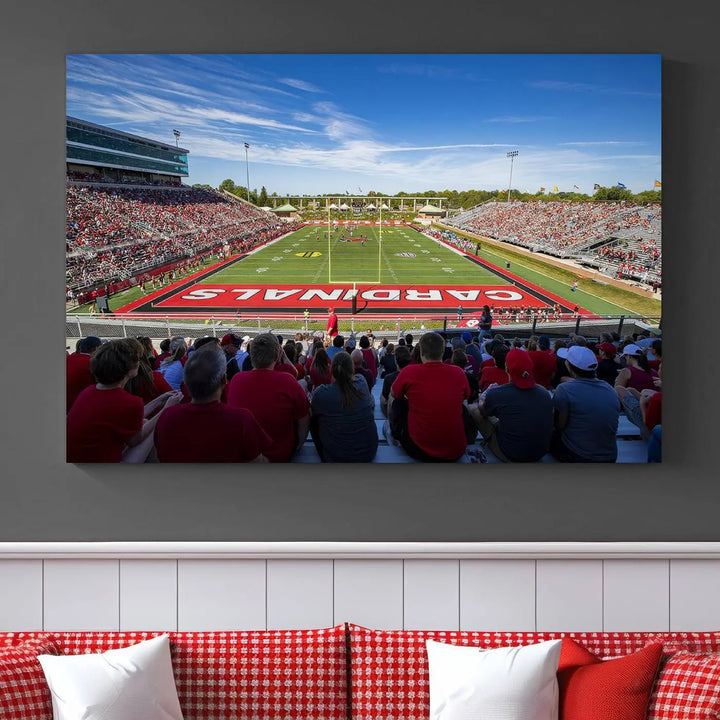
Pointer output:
x,y
247,170
177,134
512,155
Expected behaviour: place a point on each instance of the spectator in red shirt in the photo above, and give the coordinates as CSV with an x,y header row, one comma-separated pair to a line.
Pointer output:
x,y
164,352
320,370
332,323
106,423
205,429
78,373
544,362
370,356
276,399
433,430
495,374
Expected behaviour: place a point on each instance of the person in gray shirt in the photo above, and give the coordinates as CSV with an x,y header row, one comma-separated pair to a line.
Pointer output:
x,y
586,411
516,419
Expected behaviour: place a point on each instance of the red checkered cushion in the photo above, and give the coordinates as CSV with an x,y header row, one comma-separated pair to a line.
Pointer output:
x,y
24,692
688,688
691,642
274,675
390,673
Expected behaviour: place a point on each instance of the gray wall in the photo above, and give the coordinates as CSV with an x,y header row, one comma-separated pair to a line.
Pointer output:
x,y
42,498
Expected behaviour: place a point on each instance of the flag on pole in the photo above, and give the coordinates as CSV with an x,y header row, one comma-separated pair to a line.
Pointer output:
x,y
621,186
658,184
555,189
596,186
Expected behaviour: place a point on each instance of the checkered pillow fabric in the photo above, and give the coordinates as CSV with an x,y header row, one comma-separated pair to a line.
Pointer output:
x,y
691,642
24,692
389,669
273,674
688,688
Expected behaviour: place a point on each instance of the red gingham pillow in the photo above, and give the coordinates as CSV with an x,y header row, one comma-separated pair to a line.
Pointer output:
x,y
688,688
691,642
234,675
389,669
24,692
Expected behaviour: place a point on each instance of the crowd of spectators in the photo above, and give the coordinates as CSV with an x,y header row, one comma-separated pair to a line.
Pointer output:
x,y
559,228
240,399
635,258
121,232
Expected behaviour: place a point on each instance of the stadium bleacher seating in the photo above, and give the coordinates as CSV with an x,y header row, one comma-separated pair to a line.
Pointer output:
x,y
115,231
576,230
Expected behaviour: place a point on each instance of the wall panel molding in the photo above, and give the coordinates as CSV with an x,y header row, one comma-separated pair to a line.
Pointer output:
x,y
362,550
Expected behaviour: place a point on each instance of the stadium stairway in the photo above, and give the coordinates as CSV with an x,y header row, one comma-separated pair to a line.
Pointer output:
x,y
631,447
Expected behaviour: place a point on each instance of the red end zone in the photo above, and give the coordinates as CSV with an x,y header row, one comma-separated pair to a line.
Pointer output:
x,y
373,298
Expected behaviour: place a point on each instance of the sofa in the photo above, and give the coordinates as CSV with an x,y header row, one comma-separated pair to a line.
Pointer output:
x,y
349,672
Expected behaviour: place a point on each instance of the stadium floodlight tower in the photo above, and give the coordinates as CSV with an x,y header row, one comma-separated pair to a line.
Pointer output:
x,y
512,155
177,135
247,170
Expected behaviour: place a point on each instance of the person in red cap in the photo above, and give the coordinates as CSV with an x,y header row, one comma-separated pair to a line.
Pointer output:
x,y
607,368
332,323
516,419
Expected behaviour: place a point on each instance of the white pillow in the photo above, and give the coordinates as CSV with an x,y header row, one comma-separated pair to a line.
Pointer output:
x,y
131,683
509,683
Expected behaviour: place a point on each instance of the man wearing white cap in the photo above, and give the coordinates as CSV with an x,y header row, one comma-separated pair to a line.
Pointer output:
x,y
586,411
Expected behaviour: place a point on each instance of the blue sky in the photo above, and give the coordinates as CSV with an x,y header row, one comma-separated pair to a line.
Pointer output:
x,y
335,123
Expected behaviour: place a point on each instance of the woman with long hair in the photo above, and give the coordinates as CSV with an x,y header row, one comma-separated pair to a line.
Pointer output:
x,y
148,383
172,366
342,425
320,370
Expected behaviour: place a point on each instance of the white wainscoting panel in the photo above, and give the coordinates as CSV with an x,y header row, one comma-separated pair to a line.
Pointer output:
x,y
82,594
21,605
369,593
253,586
497,595
431,594
221,594
636,595
569,595
299,594
695,595
148,595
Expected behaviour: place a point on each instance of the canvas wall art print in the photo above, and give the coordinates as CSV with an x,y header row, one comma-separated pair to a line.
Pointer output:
x,y
338,258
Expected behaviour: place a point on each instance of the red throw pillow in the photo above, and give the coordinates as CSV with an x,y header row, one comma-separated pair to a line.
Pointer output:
x,y
688,687
24,692
615,689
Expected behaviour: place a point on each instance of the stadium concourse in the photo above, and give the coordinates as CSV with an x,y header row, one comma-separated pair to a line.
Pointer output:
x,y
468,398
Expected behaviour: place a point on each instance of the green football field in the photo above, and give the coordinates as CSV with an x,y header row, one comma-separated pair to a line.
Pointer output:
x,y
397,255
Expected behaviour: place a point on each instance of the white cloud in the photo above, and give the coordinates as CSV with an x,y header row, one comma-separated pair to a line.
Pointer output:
x,y
300,85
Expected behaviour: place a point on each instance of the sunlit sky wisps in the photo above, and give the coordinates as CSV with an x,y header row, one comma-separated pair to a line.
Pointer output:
x,y
321,123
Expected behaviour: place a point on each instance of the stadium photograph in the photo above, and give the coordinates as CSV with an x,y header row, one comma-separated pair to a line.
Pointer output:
x,y
363,258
